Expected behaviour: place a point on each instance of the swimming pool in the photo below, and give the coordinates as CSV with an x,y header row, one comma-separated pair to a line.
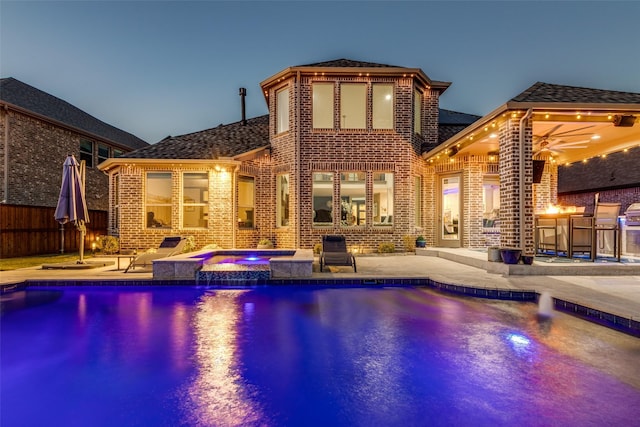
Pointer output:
x,y
305,356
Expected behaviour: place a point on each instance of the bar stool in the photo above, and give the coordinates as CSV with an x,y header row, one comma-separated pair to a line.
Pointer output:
x,y
606,220
546,235
582,236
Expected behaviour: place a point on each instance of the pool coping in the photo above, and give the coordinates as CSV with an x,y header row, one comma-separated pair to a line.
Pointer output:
x,y
610,320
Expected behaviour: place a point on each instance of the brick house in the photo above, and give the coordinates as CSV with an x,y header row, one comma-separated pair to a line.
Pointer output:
x,y
37,131
362,150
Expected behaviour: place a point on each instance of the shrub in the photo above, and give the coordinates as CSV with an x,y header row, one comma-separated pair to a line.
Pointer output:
x,y
386,248
213,246
190,244
264,242
317,248
108,244
409,243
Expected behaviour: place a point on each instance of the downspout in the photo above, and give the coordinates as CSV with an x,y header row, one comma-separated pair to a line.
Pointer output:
x,y
6,155
297,164
234,209
521,183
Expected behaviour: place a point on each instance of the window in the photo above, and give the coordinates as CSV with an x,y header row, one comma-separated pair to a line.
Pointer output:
x,y
86,152
103,153
117,153
116,202
491,202
353,106
246,200
418,200
322,105
383,106
158,200
417,113
383,199
352,199
282,200
322,195
195,200
282,110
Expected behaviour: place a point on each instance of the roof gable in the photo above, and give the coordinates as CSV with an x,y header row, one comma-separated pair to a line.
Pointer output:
x,y
546,92
27,97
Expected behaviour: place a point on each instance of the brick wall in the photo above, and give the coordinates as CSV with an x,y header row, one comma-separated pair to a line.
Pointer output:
x,y
37,150
339,150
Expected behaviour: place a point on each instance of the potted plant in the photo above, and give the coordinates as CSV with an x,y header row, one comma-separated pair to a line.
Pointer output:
x,y
421,242
265,243
510,255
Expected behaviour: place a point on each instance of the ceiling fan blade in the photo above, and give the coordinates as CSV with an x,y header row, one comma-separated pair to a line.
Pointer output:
x,y
568,143
573,130
550,132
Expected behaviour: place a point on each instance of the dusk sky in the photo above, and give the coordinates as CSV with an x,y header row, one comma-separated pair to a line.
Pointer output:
x,y
158,68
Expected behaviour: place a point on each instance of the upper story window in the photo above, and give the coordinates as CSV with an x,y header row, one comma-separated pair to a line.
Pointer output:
x,y
282,110
322,105
103,153
382,106
246,201
195,200
86,152
353,106
117,153
417,112
158,200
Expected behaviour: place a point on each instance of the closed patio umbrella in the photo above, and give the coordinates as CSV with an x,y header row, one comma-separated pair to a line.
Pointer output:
x,y
72,205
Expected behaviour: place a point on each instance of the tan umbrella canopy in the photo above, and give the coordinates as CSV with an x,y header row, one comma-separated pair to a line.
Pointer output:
x,y
72,205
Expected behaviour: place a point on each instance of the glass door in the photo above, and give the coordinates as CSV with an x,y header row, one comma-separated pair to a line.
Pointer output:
x,y
449,217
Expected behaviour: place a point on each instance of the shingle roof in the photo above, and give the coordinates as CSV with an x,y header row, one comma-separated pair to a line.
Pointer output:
x,y
349,63
15,92
222,141
449,117
546,92
234,139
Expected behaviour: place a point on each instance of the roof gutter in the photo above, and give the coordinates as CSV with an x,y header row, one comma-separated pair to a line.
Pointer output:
x,y
114,162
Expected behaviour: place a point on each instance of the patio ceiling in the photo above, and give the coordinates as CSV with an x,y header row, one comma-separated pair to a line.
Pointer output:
x,y
564,136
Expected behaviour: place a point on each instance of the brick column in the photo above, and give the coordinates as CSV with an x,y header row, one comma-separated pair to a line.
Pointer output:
x,y
510,209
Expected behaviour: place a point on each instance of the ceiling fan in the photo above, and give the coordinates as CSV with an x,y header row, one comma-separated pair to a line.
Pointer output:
x,y
554,141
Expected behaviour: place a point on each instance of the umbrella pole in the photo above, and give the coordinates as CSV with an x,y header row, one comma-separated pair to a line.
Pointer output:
x,y
83,232
61,238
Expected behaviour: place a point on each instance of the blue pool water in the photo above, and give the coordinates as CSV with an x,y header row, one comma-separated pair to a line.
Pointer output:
x,y
295,356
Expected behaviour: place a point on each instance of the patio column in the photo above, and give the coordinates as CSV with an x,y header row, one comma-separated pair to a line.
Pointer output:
x,y
511,210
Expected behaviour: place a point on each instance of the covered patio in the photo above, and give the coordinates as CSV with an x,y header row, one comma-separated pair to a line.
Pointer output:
x,y
555,126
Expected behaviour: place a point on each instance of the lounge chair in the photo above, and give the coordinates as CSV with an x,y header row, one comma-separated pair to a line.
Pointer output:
x,y
334,252
170,246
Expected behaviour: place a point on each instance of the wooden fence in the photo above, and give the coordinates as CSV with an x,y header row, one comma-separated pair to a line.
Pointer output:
x,y
32,230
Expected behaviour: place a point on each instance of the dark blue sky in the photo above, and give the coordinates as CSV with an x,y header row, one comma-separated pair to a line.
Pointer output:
x,y
157,68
